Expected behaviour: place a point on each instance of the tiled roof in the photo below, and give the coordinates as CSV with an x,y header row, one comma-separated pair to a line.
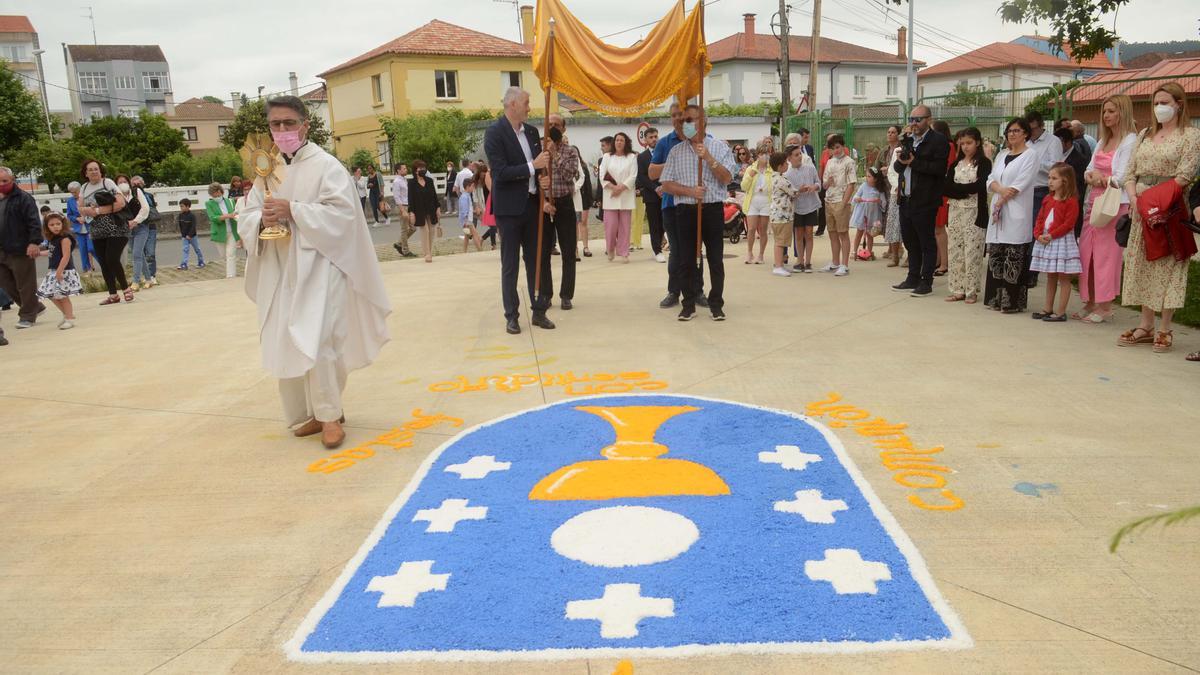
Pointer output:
x,y
318,94
1102,85
1003,56
439,38
199,109
14,23
1099,61
1149,59
95,53
766,48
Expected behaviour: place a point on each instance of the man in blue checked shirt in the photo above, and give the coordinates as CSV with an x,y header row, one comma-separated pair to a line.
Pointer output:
x,y
679,180
658,161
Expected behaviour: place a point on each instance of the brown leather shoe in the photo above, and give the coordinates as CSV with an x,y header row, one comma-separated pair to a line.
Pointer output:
x,y
332,434
312,427
309,428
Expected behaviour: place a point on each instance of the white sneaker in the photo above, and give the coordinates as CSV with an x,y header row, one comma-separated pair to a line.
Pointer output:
x,y
660,258
781,272
842,271
829,268
66,324
153,281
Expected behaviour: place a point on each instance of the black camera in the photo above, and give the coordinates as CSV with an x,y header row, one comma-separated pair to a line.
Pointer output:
x,y
906,147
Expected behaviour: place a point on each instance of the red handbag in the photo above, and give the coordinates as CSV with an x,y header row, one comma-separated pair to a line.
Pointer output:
x,y
1163,213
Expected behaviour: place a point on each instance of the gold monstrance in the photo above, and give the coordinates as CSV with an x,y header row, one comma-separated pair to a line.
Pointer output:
x,y
260,158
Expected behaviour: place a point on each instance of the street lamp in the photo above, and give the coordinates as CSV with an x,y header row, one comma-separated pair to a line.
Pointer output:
x,y
37,54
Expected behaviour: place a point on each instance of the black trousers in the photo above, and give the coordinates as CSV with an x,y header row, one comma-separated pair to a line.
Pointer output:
x,y
374,199
562,230
675,257
821,216
712,231
18,278
518,239
108,252
916,230
654,216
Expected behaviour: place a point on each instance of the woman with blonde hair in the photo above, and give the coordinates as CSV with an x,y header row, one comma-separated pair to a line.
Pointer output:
x,y
756,183
1168,150
1099,252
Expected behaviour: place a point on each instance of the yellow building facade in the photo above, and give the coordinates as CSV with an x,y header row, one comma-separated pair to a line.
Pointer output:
x,y
435,67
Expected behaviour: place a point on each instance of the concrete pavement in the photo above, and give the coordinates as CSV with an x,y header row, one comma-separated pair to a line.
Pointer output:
x,y
158,517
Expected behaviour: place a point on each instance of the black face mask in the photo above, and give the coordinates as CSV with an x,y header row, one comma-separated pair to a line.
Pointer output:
x,y
421,172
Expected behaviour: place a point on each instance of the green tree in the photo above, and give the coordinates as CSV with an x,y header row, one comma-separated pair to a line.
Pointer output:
x,y
361,159
130,145
1051,103
437,137
56,162
21,116
251,118
183,168
964,97
1075,23
212,99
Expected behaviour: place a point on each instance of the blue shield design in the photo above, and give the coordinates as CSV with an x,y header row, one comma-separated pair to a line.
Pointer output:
x,y
632,525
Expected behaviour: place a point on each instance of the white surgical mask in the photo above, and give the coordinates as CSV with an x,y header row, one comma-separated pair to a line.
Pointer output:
x,y
1164,113
689,129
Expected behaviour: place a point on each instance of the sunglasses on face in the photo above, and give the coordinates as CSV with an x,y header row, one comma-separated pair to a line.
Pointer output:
x,y
915,119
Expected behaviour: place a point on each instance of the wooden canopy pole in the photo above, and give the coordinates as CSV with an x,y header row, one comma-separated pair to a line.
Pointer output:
x,y
542,194
700,162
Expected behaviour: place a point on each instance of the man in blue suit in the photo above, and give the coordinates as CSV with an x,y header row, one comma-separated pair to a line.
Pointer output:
x,y
514,156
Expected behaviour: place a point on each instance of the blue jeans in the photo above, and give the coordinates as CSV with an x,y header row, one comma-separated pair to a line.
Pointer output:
x,y
86,251
151,248
195,246
137,244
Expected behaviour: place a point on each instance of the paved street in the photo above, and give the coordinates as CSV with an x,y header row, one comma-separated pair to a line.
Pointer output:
x,y
158,516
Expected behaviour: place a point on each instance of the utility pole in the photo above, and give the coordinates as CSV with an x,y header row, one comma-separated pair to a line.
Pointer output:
x,y
785,70
814,56
912,80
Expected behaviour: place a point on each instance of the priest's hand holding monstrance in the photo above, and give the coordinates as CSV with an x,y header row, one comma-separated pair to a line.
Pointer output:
x,y
260,157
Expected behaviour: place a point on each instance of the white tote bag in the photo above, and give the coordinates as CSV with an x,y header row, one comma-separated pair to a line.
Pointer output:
x,y
1106,206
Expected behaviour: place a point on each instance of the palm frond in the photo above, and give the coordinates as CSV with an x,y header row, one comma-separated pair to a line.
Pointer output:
x,y
1169,518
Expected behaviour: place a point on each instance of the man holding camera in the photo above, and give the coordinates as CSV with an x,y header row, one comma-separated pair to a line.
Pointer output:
x,y
921,164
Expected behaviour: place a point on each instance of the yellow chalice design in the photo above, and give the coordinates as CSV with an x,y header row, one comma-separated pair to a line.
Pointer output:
x,y
632,466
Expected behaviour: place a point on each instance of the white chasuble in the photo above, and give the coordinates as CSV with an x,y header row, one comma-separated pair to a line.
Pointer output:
x,y
290,279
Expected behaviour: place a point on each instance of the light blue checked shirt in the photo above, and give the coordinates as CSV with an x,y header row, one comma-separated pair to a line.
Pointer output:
x,y
681,168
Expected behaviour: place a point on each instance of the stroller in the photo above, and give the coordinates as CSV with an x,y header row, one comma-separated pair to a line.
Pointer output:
x,y
735,220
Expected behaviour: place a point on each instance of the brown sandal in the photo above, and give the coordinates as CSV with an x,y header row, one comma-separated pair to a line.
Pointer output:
x,y
128,295
110,300
1194,356
1130,338
1163,341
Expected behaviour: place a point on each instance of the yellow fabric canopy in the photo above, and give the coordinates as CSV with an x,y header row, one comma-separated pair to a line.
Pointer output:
x,y
672,59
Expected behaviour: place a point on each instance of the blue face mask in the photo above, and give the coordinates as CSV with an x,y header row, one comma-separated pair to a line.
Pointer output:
x,y
689,129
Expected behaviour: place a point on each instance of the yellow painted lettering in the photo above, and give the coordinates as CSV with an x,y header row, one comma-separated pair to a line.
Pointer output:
x,y
850,414
330,465
954,505
880,427
903,478
816,408
614,388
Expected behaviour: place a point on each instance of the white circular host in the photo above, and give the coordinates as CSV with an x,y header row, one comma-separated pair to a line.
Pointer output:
x,y
624,536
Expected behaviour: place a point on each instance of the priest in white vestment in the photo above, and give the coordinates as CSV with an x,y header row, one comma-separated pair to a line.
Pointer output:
x,y
322,306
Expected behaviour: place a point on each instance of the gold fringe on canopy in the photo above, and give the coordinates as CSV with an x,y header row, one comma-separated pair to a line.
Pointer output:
x,y
621,80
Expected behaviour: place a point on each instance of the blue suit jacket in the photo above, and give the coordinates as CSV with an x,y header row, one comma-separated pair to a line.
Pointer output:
x,y
509,168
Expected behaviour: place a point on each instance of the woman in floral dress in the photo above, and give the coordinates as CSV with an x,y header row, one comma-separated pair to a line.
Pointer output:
x,y
1168,150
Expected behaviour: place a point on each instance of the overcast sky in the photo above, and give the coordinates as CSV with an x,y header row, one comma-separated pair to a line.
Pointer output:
x,y
217,46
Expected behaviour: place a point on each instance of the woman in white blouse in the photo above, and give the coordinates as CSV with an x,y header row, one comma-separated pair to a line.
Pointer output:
x,y
1099,252
618,172
1010,226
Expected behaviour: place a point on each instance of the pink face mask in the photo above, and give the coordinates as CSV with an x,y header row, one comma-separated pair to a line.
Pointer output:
x,y
288,141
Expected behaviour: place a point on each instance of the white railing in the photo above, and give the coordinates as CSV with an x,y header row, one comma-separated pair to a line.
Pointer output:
x,y
167,198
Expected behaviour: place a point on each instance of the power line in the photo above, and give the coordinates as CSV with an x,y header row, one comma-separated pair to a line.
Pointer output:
x,y
710,3
306,88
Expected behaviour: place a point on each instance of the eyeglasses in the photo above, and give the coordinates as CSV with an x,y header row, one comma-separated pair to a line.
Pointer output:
x,y
1015,130
914,119
285,125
